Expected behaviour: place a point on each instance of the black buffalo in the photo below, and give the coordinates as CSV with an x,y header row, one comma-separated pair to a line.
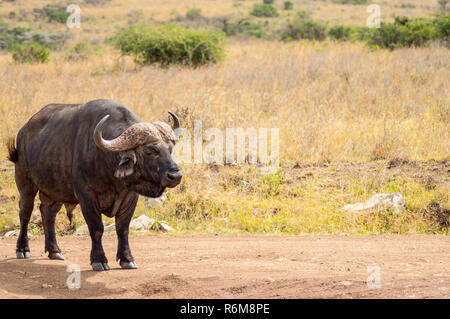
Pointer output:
x,y
99,155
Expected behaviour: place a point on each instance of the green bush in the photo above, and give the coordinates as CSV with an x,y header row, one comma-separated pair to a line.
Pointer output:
x,y
303,27
288,5
194,13
442,27
404,32
171,44
340,32
56,12
60,17
268,1
264,10
246,28
31,52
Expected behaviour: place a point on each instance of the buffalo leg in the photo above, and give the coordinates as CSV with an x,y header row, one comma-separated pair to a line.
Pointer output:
x,y
93,219
49,209
26,203
123,219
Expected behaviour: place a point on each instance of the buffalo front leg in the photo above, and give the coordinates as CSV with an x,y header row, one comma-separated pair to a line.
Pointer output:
x,y
123,219
26,204
49,209
93,219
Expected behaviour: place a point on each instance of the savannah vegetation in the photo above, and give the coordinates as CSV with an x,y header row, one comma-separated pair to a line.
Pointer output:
x,y
360,110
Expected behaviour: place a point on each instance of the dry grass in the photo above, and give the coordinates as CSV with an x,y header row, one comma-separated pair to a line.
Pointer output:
x,y
333,103
101,21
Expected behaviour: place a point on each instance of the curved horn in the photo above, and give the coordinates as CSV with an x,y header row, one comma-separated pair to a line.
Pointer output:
x,y
136,134
176,121
98,139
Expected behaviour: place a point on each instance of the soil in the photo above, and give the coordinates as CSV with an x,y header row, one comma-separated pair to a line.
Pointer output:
x,y
238,266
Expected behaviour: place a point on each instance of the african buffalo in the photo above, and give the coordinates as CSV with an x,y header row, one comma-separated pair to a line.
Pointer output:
x,y
99,155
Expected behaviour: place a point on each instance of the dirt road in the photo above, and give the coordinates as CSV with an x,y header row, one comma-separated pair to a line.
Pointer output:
x,y
230,266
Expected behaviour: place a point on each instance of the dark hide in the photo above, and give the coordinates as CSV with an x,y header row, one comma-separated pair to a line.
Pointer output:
x,y
57,157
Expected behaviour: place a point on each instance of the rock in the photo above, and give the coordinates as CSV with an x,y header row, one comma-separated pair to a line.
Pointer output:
x,y
155,202
164,227
84,230
346,283
36,217
11,233
47,286
378,202
109,228
143,222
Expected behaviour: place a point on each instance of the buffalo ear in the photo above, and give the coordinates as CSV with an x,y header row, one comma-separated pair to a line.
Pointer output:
x,y
126,164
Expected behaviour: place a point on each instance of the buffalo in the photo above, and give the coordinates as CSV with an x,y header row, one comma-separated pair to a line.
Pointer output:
x,y
98,155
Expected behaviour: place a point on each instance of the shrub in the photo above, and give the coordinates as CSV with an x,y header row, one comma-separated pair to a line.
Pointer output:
x,y
264,10
340,32
404,32
32,52
171,44
443,4
60,17
442,27
268,1
303,27
246,28
288,5
194,14
56,12
81,51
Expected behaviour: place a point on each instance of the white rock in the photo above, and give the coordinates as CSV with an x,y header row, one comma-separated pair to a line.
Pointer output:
x,y
155,202
36,217
83,230
143,222
11,233
164,227
381,201
346,283
109,228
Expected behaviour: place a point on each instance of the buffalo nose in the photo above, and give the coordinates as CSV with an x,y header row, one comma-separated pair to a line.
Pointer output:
x,y
174,176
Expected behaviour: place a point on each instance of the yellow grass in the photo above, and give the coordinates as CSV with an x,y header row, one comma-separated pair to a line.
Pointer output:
x,y
333,103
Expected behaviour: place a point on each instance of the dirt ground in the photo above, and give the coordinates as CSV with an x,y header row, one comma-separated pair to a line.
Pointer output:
x,y
238,266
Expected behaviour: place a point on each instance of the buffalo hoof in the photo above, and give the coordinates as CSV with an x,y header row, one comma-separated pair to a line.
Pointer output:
x,y
56,256
100,266
23,255
128,265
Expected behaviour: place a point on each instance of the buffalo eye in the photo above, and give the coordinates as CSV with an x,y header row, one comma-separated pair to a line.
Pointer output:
x,y
151,150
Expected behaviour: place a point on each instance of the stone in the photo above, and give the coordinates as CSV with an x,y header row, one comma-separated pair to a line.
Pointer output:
x,y
36,217
164,227
143,222
109,228
155,202
84,230
382,201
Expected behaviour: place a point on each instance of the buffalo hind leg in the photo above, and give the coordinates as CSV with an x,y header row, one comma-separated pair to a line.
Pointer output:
x,y
93,219
123,219
26,203
49,209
